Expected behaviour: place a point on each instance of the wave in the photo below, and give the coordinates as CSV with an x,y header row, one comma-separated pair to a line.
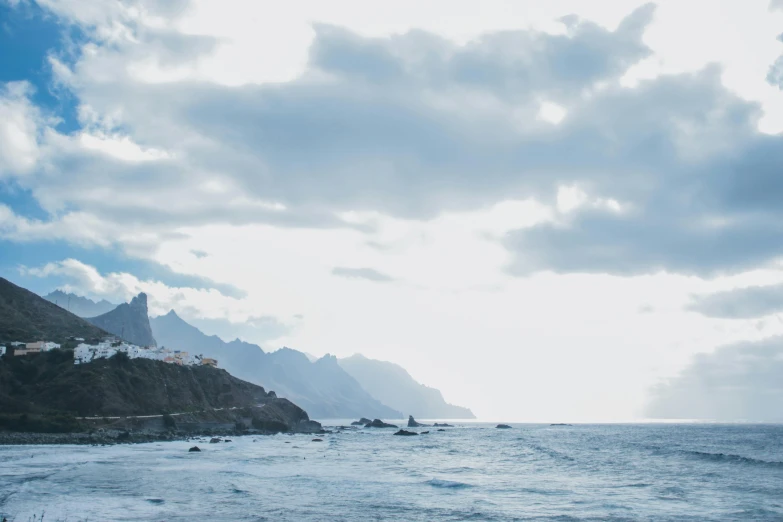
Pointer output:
x,y
450,484
737,459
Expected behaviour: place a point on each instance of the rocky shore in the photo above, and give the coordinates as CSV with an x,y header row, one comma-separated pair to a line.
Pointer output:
x,y
109,437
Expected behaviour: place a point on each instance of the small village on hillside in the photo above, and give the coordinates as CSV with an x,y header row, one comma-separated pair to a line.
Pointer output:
x,y
84,352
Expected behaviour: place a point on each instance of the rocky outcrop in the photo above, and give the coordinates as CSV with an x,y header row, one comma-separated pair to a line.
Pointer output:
x,y
194,449
443,425
378,423
503,427
413,424
128,321
405,433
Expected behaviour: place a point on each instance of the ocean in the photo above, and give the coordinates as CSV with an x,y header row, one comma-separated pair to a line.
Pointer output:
x,y
470,472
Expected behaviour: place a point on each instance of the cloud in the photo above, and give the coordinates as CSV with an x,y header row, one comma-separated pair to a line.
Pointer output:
x,y
735,383
362,273
740,303
413,126
19,129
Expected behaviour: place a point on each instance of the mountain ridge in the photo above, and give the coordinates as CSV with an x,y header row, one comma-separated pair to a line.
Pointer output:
x,y
322,387
78,305
393,385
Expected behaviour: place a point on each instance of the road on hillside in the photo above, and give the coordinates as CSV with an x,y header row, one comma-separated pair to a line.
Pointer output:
x,y
164,414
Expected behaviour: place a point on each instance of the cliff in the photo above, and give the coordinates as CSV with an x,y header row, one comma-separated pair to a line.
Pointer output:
x,y
49,384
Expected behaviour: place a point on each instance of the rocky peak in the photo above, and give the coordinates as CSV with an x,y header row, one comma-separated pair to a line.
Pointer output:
x,y
140,302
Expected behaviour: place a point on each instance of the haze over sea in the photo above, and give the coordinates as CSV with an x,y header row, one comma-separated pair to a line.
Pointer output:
x,y
470,472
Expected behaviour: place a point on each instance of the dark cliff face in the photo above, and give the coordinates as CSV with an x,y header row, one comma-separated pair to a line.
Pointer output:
x,y
27,317
128,321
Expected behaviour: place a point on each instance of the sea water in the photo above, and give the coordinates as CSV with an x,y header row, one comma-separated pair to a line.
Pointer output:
x,y
470,472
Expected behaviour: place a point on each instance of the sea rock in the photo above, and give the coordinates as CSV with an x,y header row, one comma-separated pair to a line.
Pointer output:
x,y
424,432
378,423
214,440
405,433
318,440
227,440
443,425
194,448
561,424
441,429
503,427
413,424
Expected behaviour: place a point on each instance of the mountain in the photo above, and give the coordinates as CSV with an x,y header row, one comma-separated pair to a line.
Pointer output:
x,y
322,387
393,385
49,384
27,317
128,321
79,305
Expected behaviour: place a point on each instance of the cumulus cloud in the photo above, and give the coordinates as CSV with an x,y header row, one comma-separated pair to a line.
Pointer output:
x,y
362,273
740,303
413,126
19,128
735,383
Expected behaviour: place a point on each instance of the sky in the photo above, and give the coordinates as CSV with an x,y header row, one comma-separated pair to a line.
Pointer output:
x,y
551,211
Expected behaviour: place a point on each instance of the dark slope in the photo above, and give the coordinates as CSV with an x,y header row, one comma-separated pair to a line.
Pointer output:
x,y
78,305
49,383
394,386
322,388
128,321
27,317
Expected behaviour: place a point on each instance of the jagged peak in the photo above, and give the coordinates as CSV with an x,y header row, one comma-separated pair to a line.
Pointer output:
x,y
140,301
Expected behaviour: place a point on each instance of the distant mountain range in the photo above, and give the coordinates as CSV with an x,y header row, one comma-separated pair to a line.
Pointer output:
x,y
392,384
26,317
352,387
79,305
322,388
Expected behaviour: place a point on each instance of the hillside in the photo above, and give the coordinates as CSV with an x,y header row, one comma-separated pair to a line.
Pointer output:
x,y
322,387
27,317
128,321
394,386
49,383
78,305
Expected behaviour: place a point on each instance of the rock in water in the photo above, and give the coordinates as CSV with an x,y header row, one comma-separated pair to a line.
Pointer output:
x,y
441,429
444,425
503,427
424,432
318,440
406,433
378,423
194,448
413,424
214,440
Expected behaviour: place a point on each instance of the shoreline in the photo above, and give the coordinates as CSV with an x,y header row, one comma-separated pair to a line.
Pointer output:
x,y
115,437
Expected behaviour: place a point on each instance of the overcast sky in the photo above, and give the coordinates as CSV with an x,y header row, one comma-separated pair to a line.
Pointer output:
x,y
555,211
